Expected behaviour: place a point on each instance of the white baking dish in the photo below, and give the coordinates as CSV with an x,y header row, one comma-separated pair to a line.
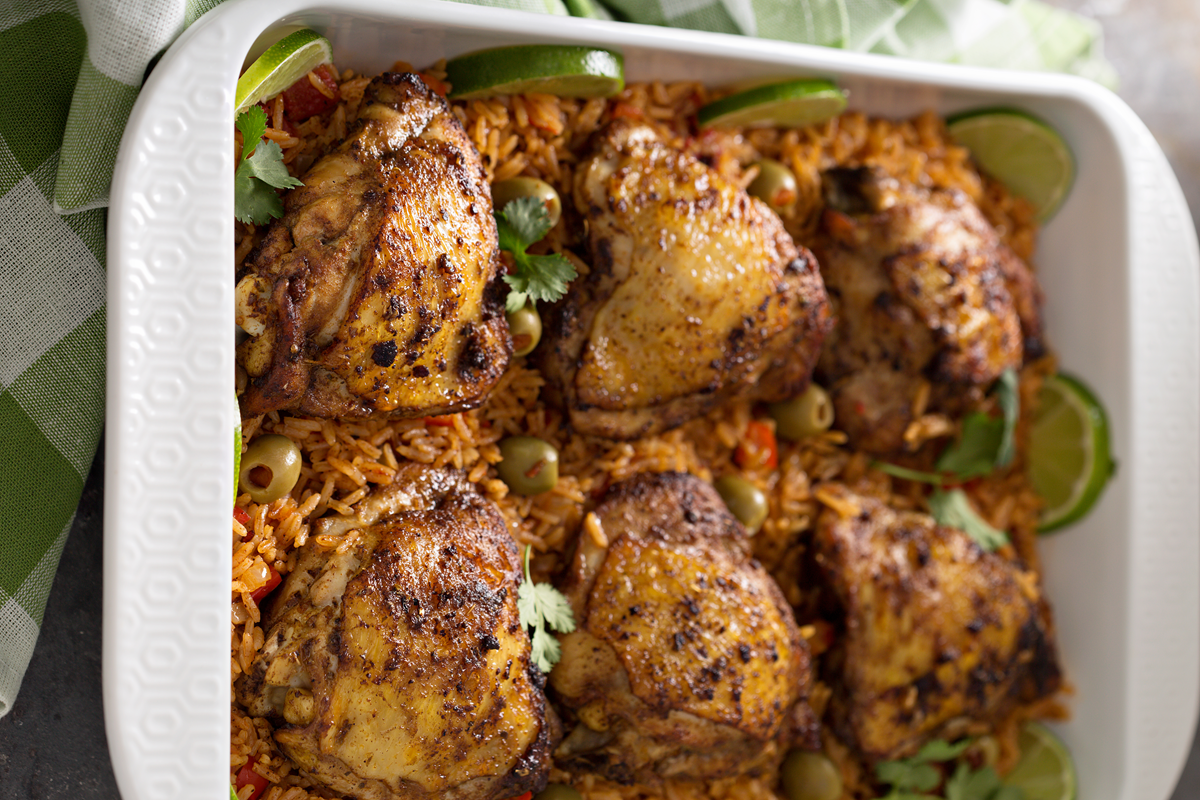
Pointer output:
x,y
1119,266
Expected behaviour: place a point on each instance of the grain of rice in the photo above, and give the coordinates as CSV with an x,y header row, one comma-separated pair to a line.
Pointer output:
x,y
542,136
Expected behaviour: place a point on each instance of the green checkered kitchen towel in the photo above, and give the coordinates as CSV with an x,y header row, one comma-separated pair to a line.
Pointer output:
x,y
72,69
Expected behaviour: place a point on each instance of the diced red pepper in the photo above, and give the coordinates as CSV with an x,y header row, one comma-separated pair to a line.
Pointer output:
x,y
526,796
258,594
446,421
302,100
241,516
758,447
248,777
439,86
623,109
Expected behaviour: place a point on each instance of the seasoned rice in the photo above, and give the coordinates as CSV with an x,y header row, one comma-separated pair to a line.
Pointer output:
x,y
541,136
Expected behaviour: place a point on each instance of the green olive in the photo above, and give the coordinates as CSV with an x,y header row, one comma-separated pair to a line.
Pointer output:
x,y
811,412
525,326
744,500
775,185
528,465
810,776
505,192
558,791
270,468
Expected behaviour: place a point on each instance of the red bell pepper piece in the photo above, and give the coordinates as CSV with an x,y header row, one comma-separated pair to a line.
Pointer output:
x,y
758,447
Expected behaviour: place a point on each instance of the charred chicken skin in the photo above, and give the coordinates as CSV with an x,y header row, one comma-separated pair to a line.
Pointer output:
x,y
695,294
939,634
687,662
379,290
922,289
396,665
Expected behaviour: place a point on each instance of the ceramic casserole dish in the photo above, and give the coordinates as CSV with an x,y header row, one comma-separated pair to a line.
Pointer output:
x,y
1118,264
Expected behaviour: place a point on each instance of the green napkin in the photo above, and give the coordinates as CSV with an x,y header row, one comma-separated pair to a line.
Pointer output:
x,y
71,73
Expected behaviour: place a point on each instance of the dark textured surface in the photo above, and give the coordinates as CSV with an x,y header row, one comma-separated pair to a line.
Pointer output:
x,y
52,744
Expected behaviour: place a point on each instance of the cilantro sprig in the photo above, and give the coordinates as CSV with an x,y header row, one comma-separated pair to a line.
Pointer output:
x,y
987,443
914,778
260,172
541,606
519,224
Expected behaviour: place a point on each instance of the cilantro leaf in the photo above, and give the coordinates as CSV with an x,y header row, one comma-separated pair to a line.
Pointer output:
x,y
544,649
267,165
974,454
253,124
980,784
907,774
259,175
953,509
542,278
941,750
253,200
521,223
541,606
986,443
897,471
527,219
1008,397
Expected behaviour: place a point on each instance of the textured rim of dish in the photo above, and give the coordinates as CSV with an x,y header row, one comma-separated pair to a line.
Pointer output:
x,y
170,372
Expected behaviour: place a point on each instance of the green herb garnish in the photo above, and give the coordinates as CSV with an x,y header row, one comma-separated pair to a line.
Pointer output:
x,y
519,224
953,509
259,175
913,778
987,443
541,605
979,784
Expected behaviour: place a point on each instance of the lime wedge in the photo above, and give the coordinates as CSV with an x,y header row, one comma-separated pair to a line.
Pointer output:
x,y
1046,770
563,70
284,63
1020,151
1069,460
790,104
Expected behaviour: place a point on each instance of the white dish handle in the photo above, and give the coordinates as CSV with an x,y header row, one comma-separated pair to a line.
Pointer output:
x,y
167,515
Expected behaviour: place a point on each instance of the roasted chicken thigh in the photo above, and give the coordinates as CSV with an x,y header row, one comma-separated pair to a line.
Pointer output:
x,y
939,634
379,289
922,290
695,294
686,662
396,665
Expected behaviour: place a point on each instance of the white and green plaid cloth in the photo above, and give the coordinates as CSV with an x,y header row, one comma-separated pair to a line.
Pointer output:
x,y
71,71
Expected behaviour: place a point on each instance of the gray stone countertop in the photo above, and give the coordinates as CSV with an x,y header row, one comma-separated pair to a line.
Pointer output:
x,y
52,744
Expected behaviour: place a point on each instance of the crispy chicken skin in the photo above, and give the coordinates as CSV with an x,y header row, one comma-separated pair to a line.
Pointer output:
x,y
696,294
396,666
938,632
687,662
922,288
379,290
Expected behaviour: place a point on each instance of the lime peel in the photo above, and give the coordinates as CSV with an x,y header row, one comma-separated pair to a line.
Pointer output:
x,y
1021,151
562,70
283,63
1069,458
1046,770
787,104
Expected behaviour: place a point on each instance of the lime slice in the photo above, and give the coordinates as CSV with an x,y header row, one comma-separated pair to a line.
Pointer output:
x,y
790,104
1069,460
284,63
563,70
1020,151
1046,770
